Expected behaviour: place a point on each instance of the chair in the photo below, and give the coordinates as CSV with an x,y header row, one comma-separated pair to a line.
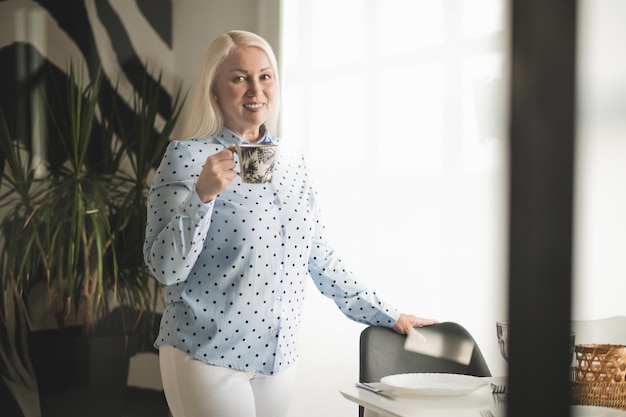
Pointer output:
x,y
382,353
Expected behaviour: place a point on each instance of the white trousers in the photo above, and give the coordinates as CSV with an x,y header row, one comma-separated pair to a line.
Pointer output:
x,y
196,389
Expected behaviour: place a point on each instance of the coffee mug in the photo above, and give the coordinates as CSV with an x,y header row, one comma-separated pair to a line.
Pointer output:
x,y
256,162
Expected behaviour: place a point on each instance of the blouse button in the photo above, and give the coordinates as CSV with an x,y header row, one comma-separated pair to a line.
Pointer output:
x,y
281,233
281,266
276,201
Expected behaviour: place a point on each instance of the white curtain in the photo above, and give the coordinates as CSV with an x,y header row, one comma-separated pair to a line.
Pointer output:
x,y
398,106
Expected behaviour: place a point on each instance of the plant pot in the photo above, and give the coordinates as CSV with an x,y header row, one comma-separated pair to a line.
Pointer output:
x,y
81,376
8,404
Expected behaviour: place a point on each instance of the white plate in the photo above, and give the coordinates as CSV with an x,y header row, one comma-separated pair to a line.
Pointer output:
x,y
434,385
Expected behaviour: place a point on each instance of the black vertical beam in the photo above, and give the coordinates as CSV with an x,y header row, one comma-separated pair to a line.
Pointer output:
x,y
541,197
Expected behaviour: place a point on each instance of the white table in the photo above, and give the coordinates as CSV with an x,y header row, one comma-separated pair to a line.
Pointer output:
x,y
458,406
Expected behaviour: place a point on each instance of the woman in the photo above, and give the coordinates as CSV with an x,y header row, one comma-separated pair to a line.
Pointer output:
x,y
235,257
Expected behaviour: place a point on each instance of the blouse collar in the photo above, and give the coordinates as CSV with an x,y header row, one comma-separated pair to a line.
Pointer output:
x,y
227,137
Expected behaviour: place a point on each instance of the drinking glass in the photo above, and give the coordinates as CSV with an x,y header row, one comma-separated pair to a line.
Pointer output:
x,y
502,330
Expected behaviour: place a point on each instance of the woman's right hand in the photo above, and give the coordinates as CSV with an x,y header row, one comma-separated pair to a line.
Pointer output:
x,y
217,174
408,321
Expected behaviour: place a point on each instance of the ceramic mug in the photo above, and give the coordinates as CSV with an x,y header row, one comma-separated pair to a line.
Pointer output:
x,y
256,162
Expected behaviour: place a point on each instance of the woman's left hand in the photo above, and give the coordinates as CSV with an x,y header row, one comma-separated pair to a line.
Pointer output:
x,y
407,321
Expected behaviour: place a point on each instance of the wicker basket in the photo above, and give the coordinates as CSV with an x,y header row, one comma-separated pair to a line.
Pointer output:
x,y
600,377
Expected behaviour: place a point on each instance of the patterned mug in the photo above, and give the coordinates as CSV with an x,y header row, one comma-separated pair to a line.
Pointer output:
x,y
256,162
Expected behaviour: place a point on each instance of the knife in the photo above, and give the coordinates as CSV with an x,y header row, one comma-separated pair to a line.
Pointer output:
x,y
371,388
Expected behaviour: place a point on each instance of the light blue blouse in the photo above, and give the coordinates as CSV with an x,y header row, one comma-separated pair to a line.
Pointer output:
x,y
235,269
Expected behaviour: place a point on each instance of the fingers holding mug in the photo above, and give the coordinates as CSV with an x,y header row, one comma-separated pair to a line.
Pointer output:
x,y
217,174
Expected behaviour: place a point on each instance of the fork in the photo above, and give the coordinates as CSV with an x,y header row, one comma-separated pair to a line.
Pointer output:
x,y
486,413
498,388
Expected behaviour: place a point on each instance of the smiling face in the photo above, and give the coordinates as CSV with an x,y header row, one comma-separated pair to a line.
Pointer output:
x,y
245,89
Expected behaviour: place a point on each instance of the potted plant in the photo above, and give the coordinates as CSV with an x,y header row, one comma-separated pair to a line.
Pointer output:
x,y
72,232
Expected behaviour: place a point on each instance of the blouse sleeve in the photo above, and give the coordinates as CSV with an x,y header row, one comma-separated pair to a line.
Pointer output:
x,y
177,220
336,282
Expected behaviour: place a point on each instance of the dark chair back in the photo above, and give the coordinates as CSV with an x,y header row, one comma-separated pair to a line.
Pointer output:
x,y
382,353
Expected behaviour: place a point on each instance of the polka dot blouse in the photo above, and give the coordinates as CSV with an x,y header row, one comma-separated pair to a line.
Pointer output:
x,y
236,268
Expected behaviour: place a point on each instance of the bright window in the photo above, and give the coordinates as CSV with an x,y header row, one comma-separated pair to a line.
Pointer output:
x,y
398,106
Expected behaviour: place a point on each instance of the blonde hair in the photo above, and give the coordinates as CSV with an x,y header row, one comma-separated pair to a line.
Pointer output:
x,y
206,118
